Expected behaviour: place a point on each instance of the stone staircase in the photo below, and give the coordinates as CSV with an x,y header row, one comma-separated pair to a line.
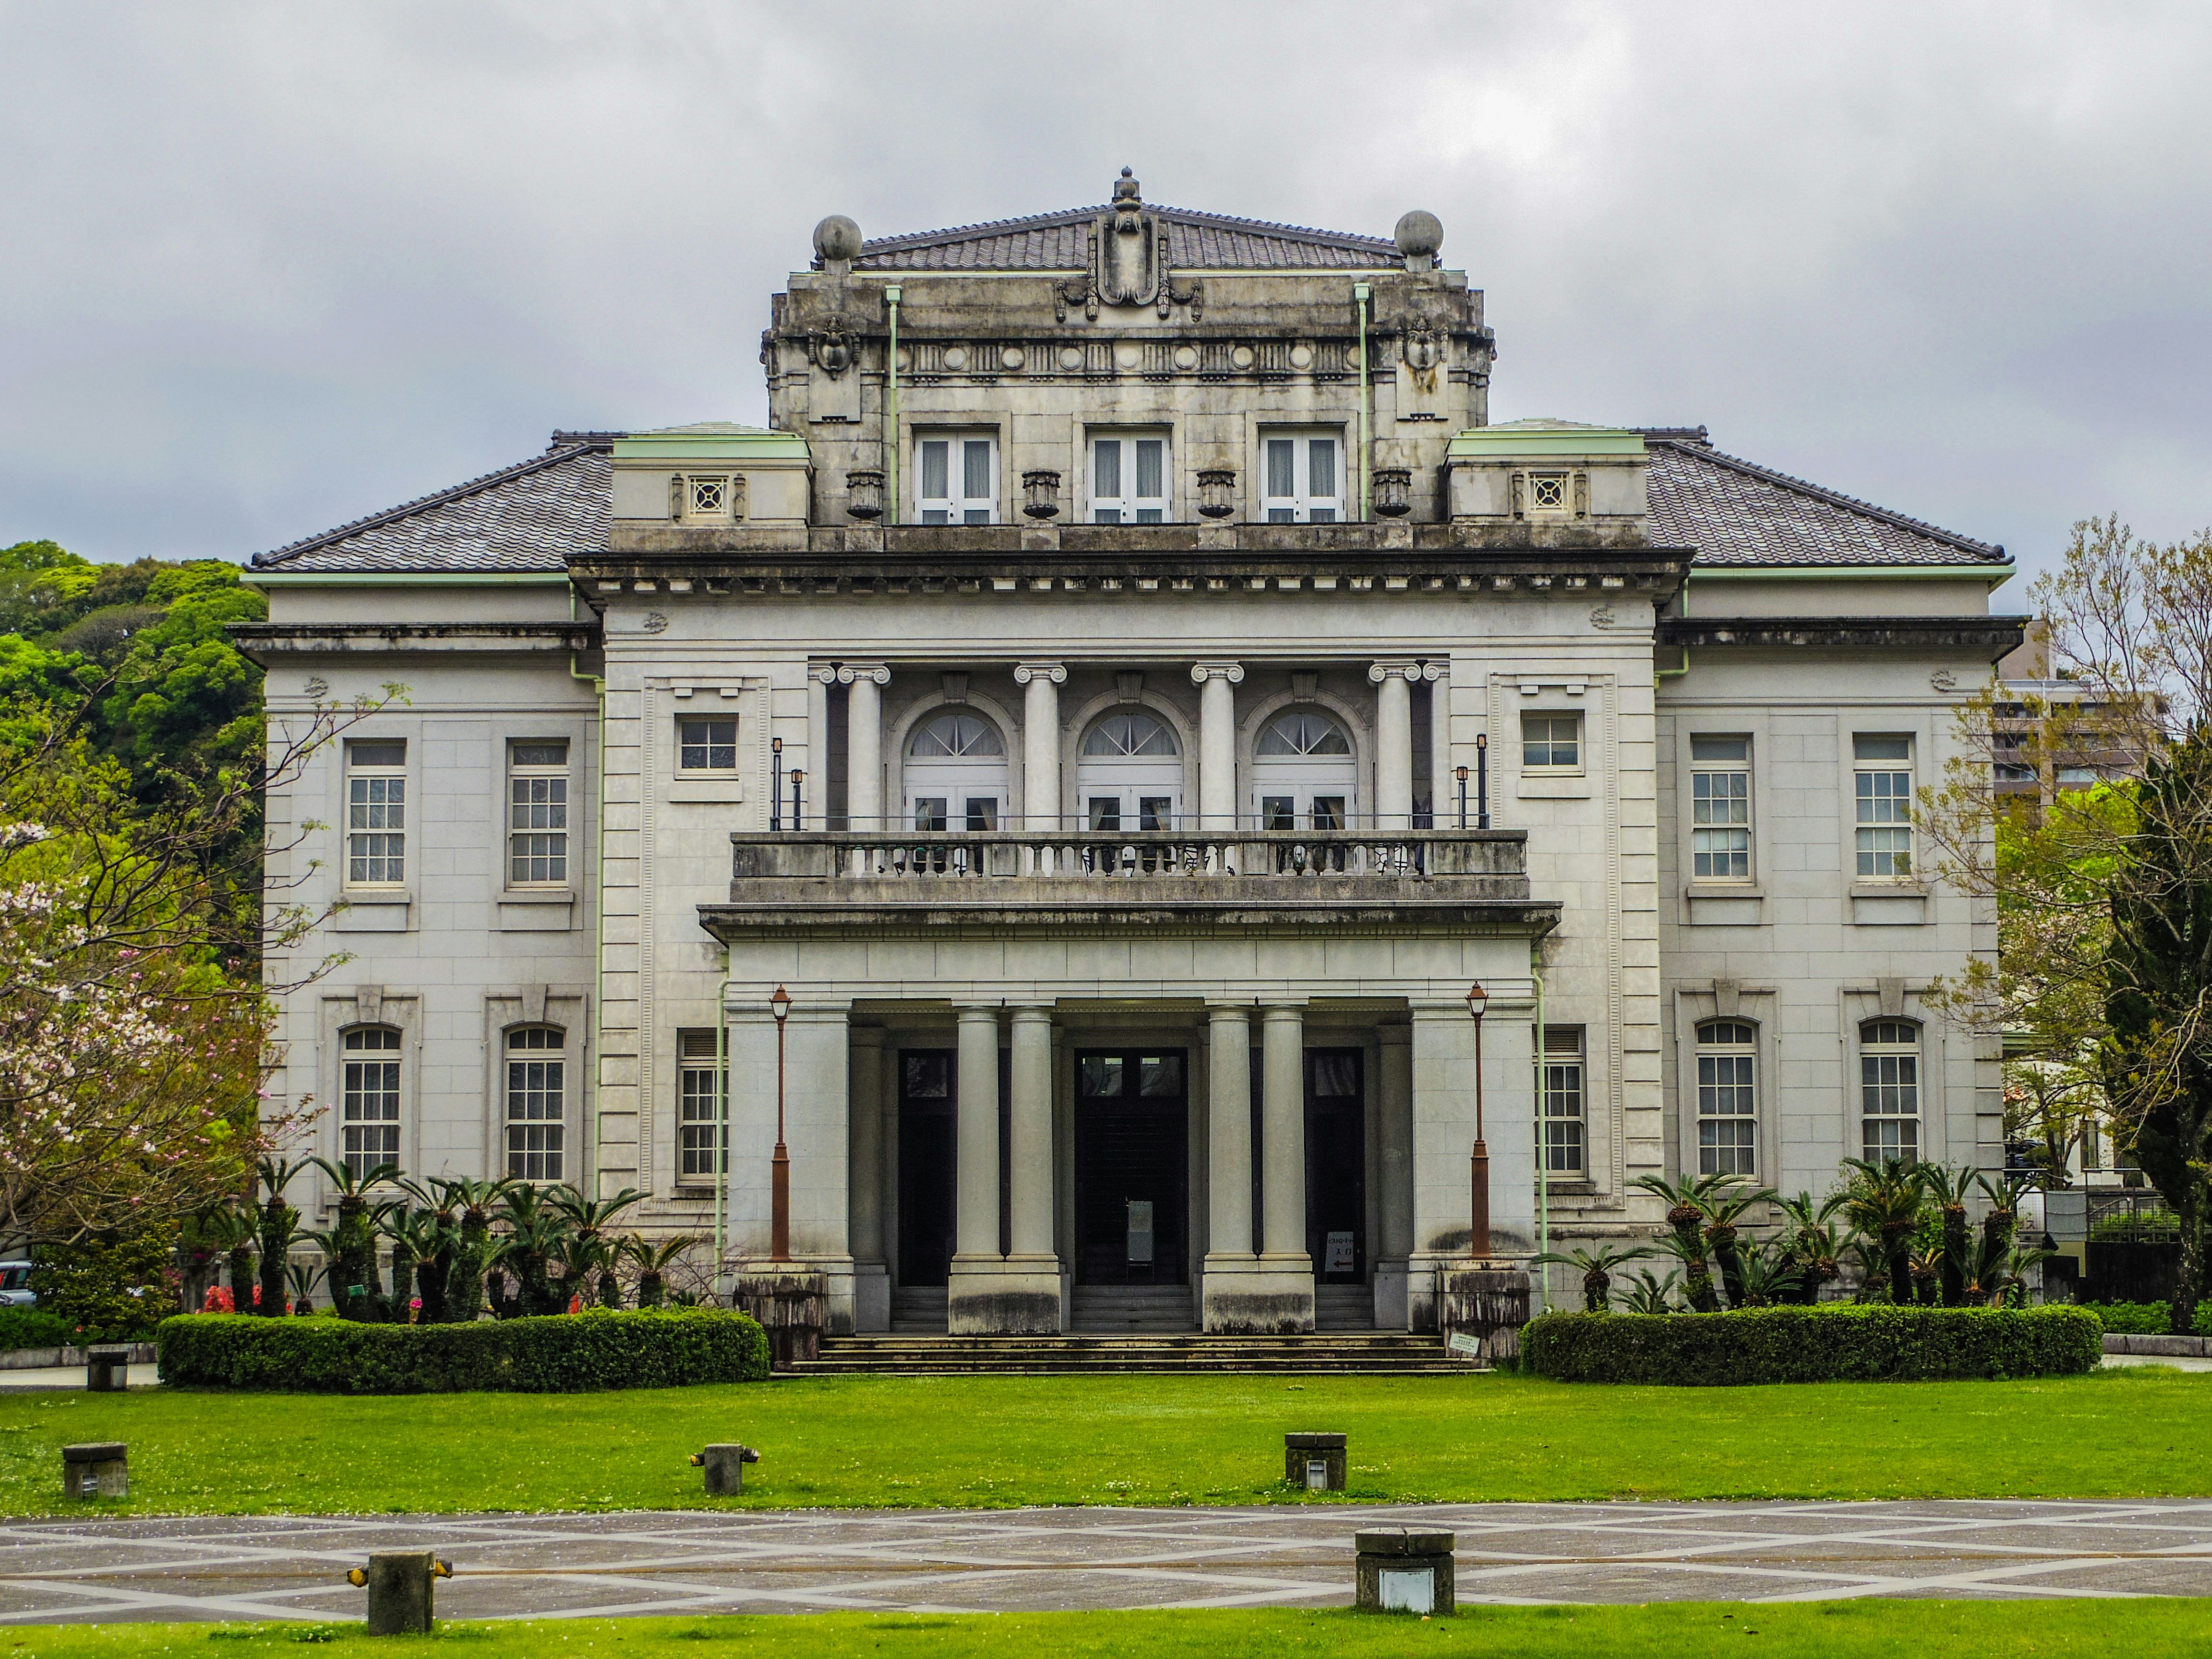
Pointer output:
x,y
1118,1309
1367,1352
1343,1307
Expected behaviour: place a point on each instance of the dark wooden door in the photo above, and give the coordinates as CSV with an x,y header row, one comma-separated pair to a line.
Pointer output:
x,y
927,1154
1132,1167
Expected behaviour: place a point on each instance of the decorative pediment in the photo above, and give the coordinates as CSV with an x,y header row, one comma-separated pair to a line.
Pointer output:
x,y
1128,262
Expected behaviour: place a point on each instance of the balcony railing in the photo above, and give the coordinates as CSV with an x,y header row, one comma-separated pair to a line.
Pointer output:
x,y
1285,856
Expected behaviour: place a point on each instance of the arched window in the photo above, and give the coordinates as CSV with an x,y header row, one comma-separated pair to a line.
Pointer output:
x,y
368,1099
536,1103
1303,775
1303,731
1728,1097
1129,774
955,773
1129,736
1889,1088
954,736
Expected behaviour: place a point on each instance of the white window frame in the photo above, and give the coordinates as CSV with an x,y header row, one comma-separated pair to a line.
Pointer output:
x,y
376,815
707,744
1303,504
1547,494
537,816
1892,1084
955,505
1125,503
1554,768
516,1058
700,1107
1563,1145
1727,1083
1881,791
1720,810
707,498
359,1093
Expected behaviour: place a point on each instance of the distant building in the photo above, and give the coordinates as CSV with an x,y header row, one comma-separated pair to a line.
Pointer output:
x,y
1085,698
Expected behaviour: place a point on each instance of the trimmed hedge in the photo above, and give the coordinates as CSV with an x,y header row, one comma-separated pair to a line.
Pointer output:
x,y
36,1328
567,1353
2146,1318
1835,1344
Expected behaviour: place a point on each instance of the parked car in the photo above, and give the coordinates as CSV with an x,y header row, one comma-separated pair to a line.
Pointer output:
x,y
15,1290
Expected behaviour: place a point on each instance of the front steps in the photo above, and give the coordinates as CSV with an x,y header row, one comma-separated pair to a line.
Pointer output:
x,y
1363,1352
1117,1309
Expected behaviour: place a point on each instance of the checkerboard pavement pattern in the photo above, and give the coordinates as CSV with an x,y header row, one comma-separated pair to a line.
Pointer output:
x,y
541,1566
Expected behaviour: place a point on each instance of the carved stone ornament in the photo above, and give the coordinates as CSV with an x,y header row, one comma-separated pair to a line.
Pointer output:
x,y
655,623
1423,349
1601,616
1943,680
1393,488
1128,263
864,493
831,348
1040,494
317,686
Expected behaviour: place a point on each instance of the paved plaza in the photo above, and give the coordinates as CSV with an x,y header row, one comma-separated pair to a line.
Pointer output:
x,y
509,1566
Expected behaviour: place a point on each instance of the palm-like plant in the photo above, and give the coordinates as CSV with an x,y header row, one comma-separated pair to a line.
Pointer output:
x,y
1725,1203
1768,1276
356,1286
475,1250
1950,1188
536,1231
1647,1293
1883,1202
1814,1244
279,1222
1685,1201
2002,1220
1597,1268
653,1261
303,1275
233,1230
591,1255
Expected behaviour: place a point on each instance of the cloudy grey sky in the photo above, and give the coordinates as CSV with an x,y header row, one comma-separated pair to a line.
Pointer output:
x,y
267,267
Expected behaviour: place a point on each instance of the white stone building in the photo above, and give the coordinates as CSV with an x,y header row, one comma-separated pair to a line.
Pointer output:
x,y
1083,700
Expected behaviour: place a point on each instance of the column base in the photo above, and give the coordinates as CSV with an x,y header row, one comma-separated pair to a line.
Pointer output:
x,y
871,1296
1247,1295
1003,1296
1392,1284
836,1272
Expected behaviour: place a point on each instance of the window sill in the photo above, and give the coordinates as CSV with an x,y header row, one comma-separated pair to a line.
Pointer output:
x,y
1726,890
1865,887
1561,785
374,910
1885,905
538,895
686,1192
537,910
711,789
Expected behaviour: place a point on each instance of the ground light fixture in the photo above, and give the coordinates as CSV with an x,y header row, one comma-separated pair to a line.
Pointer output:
x,y
778,1226
1479,1230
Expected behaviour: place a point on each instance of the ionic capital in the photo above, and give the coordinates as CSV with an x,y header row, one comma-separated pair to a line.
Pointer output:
x,y
1402,668
849,671
1055,672
1200,672
1435,670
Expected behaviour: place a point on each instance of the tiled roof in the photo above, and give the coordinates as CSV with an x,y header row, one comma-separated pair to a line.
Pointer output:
x,y
521,518
1736,513
1062,241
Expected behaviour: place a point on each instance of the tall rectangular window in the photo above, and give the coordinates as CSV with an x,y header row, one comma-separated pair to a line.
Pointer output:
x,y
706,742
1889,1089
536,1118
538,813
1720,808
956,480
368,1099
1128,480
1551,742
376,811
698,1108
1882,783
1305,477
1728,1097
1565,1116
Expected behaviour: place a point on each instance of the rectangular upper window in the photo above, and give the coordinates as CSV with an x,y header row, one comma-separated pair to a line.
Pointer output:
x,y
699,1109
1561,1133
1303,477
1551,742
956,477
538,812
376,811
1881,777
706,742
1128,479
1720,808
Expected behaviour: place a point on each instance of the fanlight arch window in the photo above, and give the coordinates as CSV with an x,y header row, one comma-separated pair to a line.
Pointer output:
x,y
369,1099
1889,1089
536,1107
955,736
1302,732
1728,1097
1130,737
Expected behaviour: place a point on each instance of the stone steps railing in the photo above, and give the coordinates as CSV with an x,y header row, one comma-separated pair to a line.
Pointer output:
x,y
1108,855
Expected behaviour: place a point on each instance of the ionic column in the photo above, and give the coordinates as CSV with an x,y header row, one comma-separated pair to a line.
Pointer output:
x,y
1394,1108
975,1227
872,1304
1216,743
1282,1131
1031,1137
1040,742
814,794
1228,1137
1443,789
863,743
1393,744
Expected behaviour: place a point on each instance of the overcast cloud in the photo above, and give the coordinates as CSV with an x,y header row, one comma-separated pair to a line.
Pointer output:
x,y
266,268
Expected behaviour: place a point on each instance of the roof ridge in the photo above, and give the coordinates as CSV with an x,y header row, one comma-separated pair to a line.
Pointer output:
x,y
578,443
1084,215
1704,451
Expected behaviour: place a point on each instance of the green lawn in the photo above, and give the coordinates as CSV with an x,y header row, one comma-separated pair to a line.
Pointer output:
x,y
1691,1629
973,1442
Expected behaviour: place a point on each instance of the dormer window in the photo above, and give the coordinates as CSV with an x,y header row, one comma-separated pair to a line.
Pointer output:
x,y
706,498
1547,492
956,480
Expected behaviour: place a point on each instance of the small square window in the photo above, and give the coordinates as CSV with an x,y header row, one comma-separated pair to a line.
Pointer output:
x,y
1551,742
956,480
1128,480
1547,492
706,742
1306,479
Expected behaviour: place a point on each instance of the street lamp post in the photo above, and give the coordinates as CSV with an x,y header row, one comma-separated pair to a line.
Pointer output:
x,y
778,1226
1462,797
1479,1231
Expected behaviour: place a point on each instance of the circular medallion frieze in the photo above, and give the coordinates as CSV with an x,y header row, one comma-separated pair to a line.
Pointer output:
x,y
1185,357
1124,356
956,358
1011,357
655,623
1301,356
1071,357
1241,357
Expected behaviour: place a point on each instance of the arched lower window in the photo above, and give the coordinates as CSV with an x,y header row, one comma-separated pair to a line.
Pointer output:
x,y
1130,775
1129,736
955,773
1889,1088
369,1100
1728,1097
954,736
1303,774
537,1103
1302,732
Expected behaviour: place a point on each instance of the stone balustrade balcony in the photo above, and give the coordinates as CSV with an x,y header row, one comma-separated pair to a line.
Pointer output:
x,y
1044,877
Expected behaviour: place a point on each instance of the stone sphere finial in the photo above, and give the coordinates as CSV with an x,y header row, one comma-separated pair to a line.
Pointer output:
x,y
1420,236
837,240
1125,187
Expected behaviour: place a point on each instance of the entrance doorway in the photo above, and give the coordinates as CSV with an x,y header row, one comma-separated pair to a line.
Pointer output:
x,y
1132,1167
928,1141
1336,1164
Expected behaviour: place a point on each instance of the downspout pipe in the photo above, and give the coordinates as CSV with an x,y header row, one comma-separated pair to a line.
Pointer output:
x,y
721,1121
598,684
1673,673
1360,291
891,409
1543,1129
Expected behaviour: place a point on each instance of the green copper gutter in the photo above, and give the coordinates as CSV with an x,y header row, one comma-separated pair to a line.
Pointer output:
x,y
403,579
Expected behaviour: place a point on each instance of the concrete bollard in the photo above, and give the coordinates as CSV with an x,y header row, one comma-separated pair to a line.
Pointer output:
x,y
100,1468
1401,1570
107,1370
400,1599
725,1464
1315,1461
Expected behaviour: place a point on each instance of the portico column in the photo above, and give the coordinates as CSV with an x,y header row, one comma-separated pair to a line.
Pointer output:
x,y
1040,742
976,1225
1393,744
1228,1137
1216,743
1394,1140
1031,1139
1442,785
1285,1269
872,1298
987,1294
863,743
